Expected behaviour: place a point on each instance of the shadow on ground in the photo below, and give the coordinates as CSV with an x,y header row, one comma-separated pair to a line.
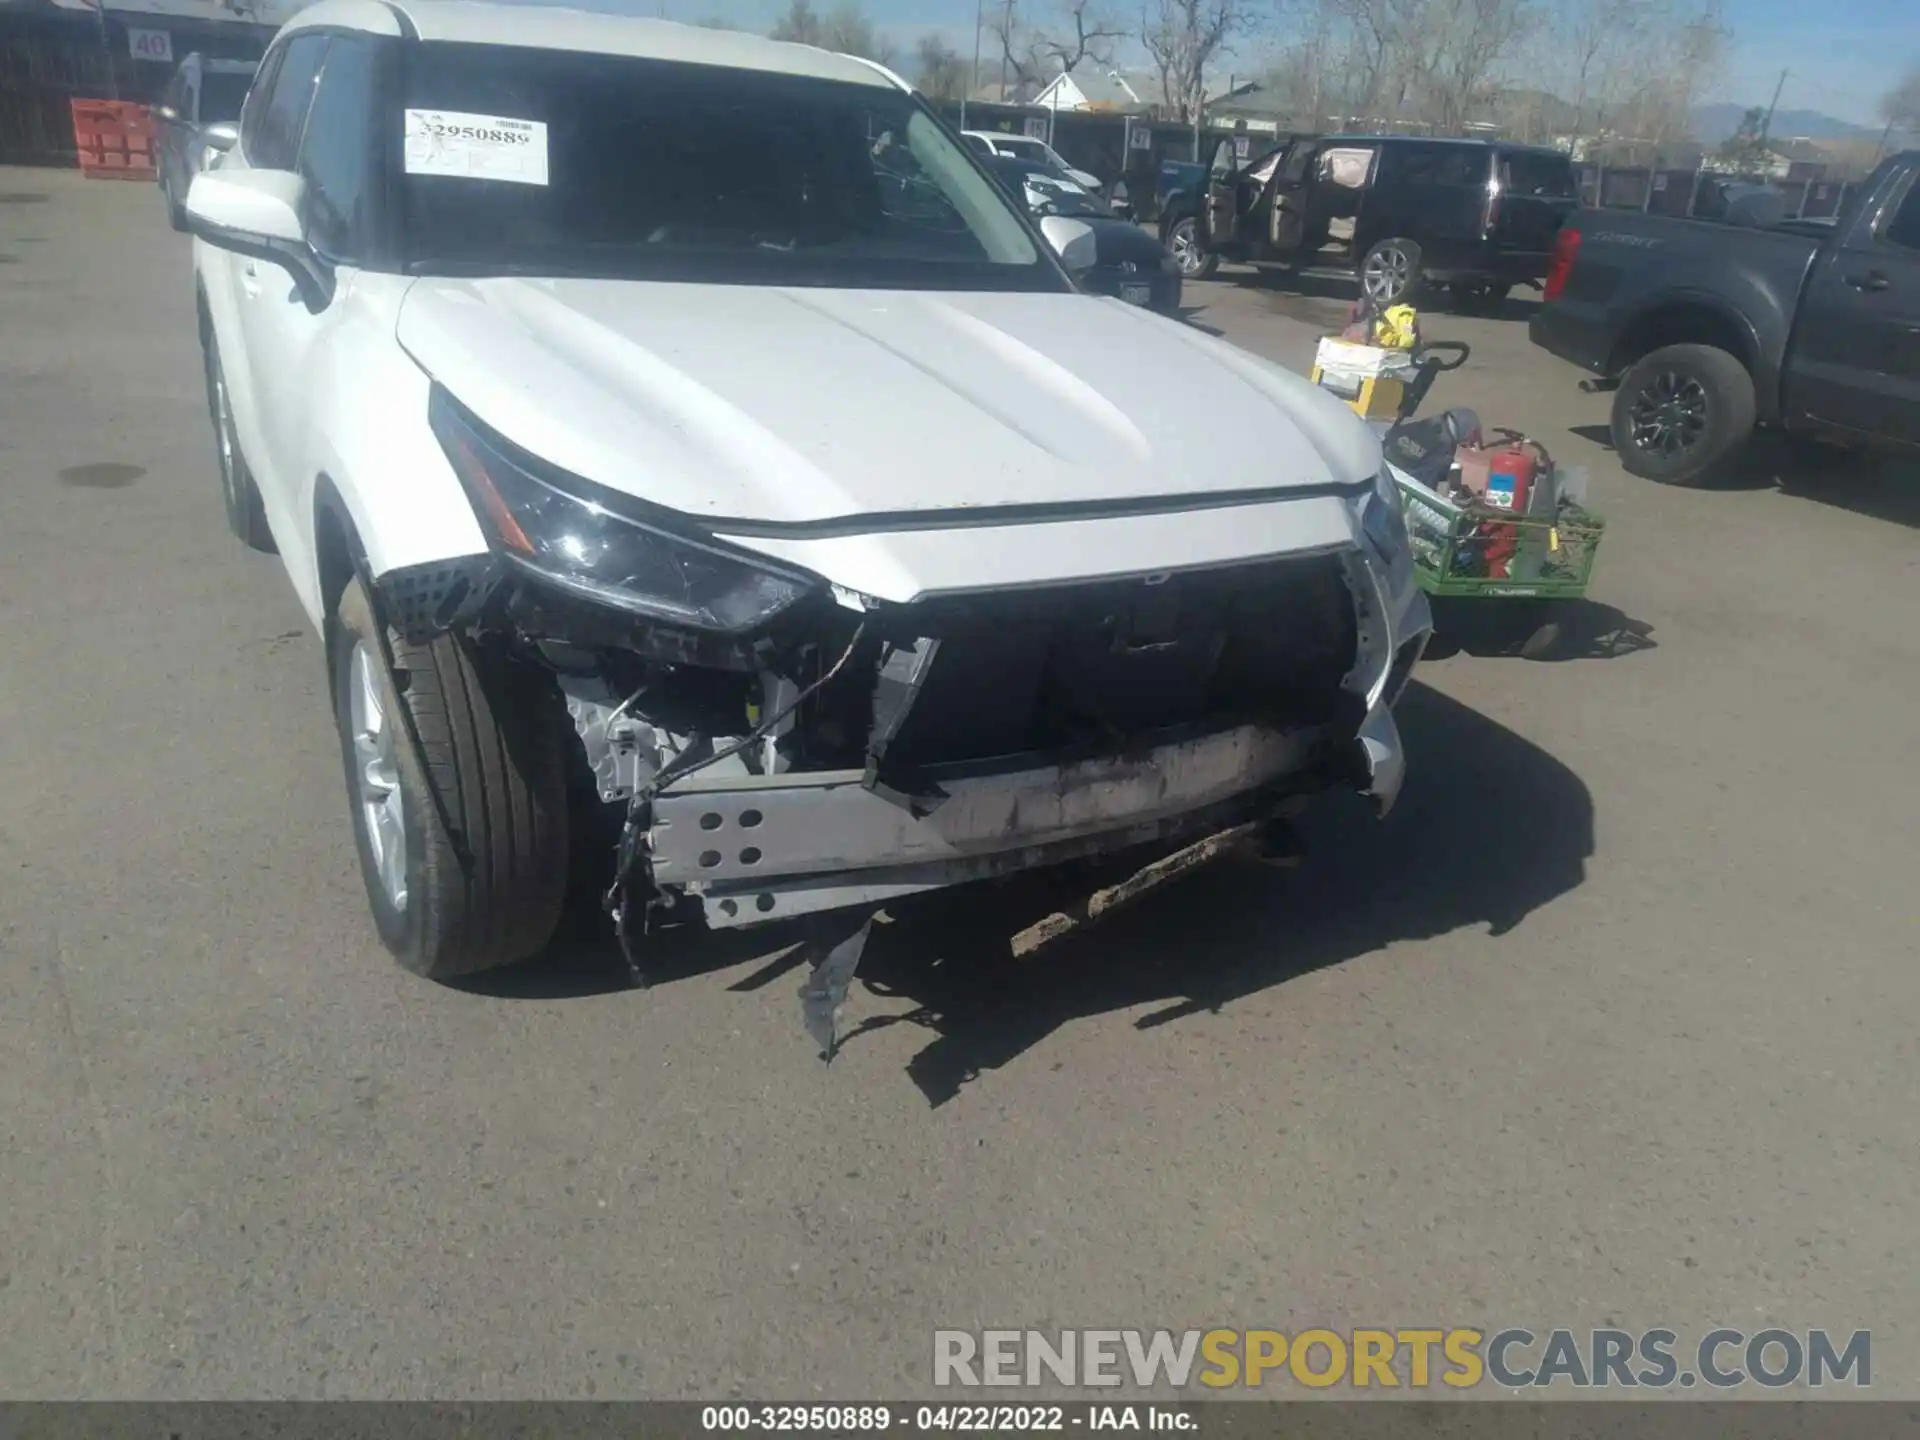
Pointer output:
x,y
1544,630
1319,295
1881,487
1489,829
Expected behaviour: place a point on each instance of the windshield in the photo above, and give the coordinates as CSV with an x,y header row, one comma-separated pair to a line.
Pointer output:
x,y
1025,147
221,92
557,162
1044,193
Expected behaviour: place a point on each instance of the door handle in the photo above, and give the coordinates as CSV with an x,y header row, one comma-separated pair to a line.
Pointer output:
x,y
250,278
1872,280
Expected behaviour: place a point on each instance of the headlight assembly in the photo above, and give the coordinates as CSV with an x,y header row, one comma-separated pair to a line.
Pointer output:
x,y
593,542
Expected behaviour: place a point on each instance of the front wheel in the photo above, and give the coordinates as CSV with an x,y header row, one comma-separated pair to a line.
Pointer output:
x,y
1683,415
456,776
1390,273
1194,260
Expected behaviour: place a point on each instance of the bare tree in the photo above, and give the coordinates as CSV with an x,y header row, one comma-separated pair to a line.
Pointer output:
x,y
1033,52
1462,45
1587,37
939,71
846,29
1900,106
1184,38
800,24
1381,38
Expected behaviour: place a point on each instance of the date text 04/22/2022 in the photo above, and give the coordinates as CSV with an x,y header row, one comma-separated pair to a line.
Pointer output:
x,y
962,1418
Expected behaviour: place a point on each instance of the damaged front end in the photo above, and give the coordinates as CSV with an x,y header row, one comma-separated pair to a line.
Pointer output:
x,y
782,749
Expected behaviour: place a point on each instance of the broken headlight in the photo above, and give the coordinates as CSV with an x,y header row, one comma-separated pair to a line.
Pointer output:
x,y
594,542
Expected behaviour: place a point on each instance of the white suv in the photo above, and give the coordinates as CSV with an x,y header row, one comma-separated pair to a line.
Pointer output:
x,y
681,427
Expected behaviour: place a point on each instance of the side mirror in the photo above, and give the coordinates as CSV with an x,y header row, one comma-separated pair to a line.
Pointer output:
x,y
257,213
222,135
1072,240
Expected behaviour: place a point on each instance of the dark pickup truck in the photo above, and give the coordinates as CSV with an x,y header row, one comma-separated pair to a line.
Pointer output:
x,y
1705,330
1182,185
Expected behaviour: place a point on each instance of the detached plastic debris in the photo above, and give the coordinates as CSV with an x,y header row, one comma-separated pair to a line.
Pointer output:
x,y
824,990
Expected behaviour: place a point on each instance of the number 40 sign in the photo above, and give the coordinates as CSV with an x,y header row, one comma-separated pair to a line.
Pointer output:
x,y
151,45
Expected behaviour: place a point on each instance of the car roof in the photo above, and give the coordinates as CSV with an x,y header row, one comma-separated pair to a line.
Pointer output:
x,y
211,65
1480,141
598,32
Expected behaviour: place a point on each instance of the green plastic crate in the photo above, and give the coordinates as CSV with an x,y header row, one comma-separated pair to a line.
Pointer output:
x,y
1551,559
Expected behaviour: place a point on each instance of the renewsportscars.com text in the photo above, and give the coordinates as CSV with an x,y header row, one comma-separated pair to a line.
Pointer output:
x,y
1459,1358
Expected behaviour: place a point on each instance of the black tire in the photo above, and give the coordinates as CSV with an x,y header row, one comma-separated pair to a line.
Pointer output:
x,y
1683,415
1480,298
1390,272
483,797
1196,262
246,517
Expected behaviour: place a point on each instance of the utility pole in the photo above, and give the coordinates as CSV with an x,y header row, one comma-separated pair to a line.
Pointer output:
x,y
106,49
1006,44
1880,150
1766,125
979,8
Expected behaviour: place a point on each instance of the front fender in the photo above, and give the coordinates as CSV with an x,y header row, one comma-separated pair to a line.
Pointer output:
x,y
374,454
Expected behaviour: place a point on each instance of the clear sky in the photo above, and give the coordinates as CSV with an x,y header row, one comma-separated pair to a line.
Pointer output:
x,y
1841,55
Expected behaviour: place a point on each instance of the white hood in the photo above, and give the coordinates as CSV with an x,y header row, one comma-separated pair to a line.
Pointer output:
x,y
797,406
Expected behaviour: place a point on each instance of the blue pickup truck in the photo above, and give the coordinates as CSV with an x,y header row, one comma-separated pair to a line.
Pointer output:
x,y
1177,196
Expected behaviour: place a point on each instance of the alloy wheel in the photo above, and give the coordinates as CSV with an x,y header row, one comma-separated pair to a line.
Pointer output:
x,y
1387,274
377,774
1669,415
223,436
1186,249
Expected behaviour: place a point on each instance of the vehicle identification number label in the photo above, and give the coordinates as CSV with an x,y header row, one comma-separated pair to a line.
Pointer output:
x,y
476,147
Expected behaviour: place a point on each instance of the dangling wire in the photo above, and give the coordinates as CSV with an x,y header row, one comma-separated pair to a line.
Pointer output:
x,y
640,804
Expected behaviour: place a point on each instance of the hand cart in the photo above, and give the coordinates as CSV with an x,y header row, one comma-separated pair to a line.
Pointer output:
x,y
1465,549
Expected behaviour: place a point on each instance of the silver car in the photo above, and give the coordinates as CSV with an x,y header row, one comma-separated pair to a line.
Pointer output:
x,y
202,93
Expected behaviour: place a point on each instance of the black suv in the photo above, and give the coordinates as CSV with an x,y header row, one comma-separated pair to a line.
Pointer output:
x,y
1477,215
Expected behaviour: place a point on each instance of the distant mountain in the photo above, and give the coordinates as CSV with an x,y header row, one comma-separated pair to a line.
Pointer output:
x,y
1714,123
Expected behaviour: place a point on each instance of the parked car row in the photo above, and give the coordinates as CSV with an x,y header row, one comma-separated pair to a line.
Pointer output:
x,y
697,416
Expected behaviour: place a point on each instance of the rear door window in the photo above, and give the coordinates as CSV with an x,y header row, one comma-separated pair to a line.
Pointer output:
x,y
1436,164
1411,164
1463,165
1541,177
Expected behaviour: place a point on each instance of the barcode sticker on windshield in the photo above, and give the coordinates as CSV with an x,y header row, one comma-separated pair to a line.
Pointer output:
x,y
476,147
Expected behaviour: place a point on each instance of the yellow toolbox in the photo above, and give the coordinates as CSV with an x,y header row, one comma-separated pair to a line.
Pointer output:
x,y
1371,378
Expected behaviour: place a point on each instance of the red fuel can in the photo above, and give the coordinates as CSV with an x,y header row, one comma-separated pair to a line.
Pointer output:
x,y
1510,475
